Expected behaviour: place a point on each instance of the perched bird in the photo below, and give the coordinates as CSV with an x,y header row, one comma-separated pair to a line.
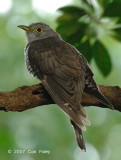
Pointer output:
x,y
64,73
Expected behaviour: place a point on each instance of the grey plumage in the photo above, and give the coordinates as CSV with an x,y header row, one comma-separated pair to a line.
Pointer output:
x,y
64,73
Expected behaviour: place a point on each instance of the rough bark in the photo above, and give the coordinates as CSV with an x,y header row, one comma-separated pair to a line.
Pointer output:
x,y
27,97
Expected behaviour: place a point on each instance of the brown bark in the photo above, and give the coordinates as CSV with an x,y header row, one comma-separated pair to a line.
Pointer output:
x,y
27,97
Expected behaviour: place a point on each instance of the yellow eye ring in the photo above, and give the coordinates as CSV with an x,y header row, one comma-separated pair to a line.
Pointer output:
x,y
39,29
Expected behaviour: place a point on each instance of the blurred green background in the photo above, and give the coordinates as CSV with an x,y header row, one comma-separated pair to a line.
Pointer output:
x,y
93,26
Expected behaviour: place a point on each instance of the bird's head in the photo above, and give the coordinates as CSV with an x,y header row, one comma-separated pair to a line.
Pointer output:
x,y
37,31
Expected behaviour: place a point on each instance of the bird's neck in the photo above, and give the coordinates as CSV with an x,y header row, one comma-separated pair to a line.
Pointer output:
x,y
30,38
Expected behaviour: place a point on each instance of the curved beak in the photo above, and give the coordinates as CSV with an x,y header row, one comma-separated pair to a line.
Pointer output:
x,y
26,28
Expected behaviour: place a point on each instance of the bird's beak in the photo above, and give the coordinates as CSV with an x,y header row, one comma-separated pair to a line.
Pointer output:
x,y
26,28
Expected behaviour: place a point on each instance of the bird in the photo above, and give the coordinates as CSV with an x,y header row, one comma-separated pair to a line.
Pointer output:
x,y
64,72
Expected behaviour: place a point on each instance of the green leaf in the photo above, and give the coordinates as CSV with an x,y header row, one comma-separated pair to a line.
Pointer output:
x,y
77,35
70,13
102,58
117,34
72,10
86,50
67,29
105,3
68,26
65,18
113,9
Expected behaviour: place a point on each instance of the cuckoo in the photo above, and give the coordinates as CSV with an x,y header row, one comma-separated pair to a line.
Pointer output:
x,y
64,73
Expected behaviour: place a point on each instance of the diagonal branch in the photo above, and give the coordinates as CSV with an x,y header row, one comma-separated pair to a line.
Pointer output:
x,y
27,97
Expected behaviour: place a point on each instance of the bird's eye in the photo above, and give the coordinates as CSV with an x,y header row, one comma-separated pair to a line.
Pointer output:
x,y
39,29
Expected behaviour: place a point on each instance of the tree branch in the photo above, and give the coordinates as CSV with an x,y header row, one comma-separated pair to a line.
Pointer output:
x,y
27,97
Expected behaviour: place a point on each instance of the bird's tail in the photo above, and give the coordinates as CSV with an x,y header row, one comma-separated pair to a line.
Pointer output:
x,y
98,95
79,136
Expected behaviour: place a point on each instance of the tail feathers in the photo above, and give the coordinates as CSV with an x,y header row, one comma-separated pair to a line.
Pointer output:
x,y
60,99
85,120
97,94
79,136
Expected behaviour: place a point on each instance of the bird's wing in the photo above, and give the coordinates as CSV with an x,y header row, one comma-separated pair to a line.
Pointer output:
x,y
57,65
92,88
90,85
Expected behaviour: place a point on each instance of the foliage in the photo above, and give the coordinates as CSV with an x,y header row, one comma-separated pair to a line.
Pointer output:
x,y
85,26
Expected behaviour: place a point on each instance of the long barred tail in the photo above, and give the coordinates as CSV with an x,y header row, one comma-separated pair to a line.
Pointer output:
x,y
79,136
